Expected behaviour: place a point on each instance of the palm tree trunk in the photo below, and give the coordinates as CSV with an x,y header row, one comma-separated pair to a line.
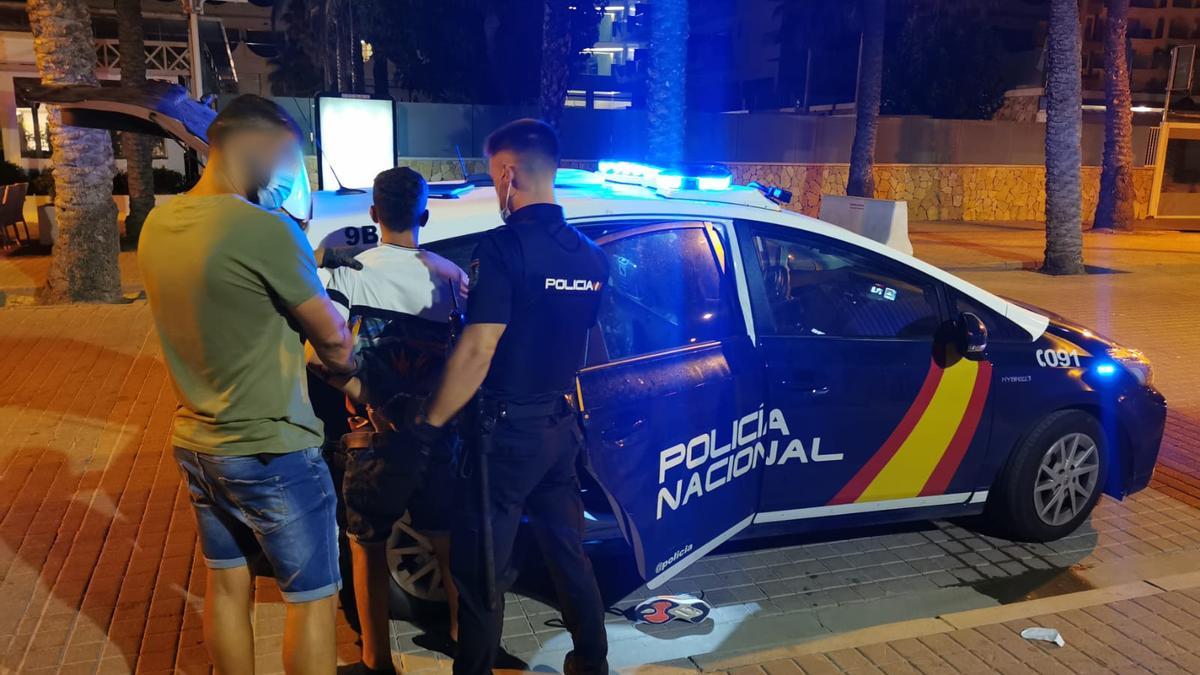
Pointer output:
x,y
556,51
866,101
323,17
358,68
666,84
1114,210
343,37
137,148
1064,238
83,267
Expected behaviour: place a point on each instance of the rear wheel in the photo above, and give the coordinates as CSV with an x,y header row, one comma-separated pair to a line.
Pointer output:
x,y
1053,479
418,594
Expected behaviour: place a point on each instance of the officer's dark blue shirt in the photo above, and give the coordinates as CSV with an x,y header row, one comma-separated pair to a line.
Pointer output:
x,y
543,279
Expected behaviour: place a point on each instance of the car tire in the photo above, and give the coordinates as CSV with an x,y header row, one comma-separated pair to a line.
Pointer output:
x,y
417,594
1052,480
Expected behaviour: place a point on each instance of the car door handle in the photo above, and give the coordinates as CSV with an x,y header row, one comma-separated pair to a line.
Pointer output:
x,y
619,434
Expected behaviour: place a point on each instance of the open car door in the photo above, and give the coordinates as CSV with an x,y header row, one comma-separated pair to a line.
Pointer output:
x,y
672,397
154,108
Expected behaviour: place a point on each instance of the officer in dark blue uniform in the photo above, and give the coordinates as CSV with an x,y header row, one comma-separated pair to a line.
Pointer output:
x,y
535,292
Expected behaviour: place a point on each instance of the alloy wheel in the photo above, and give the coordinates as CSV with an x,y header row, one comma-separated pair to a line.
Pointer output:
x,y
412,563
1066,479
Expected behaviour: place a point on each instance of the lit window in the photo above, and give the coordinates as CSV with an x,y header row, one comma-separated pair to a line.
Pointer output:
x,y
35,132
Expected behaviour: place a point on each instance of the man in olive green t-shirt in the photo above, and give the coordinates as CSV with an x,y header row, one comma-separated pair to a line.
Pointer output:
x,y
232,286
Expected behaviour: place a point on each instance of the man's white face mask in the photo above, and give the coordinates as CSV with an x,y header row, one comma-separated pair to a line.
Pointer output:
x,y
288,188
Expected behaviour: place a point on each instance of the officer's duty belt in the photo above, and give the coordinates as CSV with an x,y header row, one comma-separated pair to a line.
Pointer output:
x,y
520,411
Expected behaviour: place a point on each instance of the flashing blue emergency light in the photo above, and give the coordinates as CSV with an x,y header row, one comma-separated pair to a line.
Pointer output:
x,y
686,177
1106,369
577,178
628,173
714,182
669,181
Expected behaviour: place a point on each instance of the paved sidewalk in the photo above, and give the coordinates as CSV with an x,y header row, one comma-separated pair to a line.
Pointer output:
x,y
1144,627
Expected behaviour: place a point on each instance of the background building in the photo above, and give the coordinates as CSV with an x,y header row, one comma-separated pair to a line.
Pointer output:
x,y
1155,27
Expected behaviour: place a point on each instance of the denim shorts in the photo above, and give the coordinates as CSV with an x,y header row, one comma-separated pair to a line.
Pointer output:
x,y
282,505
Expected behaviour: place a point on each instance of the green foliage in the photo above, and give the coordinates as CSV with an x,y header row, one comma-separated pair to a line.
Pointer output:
x,y
945,61
826,30
166,182
453,51
11,173
41,181
295,70
436,47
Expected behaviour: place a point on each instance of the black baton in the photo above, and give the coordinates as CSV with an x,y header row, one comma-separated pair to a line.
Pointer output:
x,y
483,448
484,424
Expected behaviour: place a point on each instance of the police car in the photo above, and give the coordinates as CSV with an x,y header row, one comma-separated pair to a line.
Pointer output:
x,y
756,371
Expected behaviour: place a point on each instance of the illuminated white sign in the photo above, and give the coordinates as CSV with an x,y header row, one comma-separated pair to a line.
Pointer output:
x,y
357,138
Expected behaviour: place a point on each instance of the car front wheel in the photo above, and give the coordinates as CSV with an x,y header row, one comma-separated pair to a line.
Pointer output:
x,y
1053,479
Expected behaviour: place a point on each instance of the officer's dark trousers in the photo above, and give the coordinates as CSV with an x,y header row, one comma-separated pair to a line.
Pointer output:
x,y
532,470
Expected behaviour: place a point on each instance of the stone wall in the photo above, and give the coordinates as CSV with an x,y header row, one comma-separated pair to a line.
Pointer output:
x,y
941,192
933,191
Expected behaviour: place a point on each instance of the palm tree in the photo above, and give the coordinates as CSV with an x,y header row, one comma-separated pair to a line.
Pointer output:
x,y
568,27
84,264
1064,238
1114,210
556,55
866,101
666,83
137,148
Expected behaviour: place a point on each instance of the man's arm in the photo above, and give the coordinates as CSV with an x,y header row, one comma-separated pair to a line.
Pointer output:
x,y
330,339
465,370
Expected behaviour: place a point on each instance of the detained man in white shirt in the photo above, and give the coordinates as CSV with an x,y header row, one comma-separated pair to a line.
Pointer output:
x,y
400,302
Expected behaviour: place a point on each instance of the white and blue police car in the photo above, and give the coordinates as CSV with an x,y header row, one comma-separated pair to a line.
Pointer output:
x,y
756,371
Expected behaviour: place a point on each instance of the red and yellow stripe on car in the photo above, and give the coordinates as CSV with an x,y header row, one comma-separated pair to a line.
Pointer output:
x,y
922,453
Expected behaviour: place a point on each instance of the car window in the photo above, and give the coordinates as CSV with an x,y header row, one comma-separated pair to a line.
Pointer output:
x,y
664,291
457,250
817,287
1000,328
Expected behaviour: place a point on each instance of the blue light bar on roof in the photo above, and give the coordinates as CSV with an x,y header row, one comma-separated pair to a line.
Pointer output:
x,y
577,178
687,177
709,177
629,173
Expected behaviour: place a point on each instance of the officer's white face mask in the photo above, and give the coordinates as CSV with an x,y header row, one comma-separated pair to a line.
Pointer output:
x,y
506,204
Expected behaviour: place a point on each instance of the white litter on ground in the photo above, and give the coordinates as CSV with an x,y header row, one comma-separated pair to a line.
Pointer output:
x,y
1044,634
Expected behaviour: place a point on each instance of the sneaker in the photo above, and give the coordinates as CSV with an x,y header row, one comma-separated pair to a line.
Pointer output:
x,y
664,608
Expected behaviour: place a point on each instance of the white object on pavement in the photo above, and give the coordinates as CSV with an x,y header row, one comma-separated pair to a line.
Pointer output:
x,y
1044,634
883,220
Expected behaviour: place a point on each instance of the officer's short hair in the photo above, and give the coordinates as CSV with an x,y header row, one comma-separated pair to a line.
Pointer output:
x,y
531,140
401,196
250,112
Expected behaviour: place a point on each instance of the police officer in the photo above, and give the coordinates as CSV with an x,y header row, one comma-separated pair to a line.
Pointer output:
x,y
535,288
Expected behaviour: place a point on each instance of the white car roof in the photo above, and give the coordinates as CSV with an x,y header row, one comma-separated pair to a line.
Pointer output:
x,y
477,210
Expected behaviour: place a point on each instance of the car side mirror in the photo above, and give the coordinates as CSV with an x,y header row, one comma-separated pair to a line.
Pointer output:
x,y
971,336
